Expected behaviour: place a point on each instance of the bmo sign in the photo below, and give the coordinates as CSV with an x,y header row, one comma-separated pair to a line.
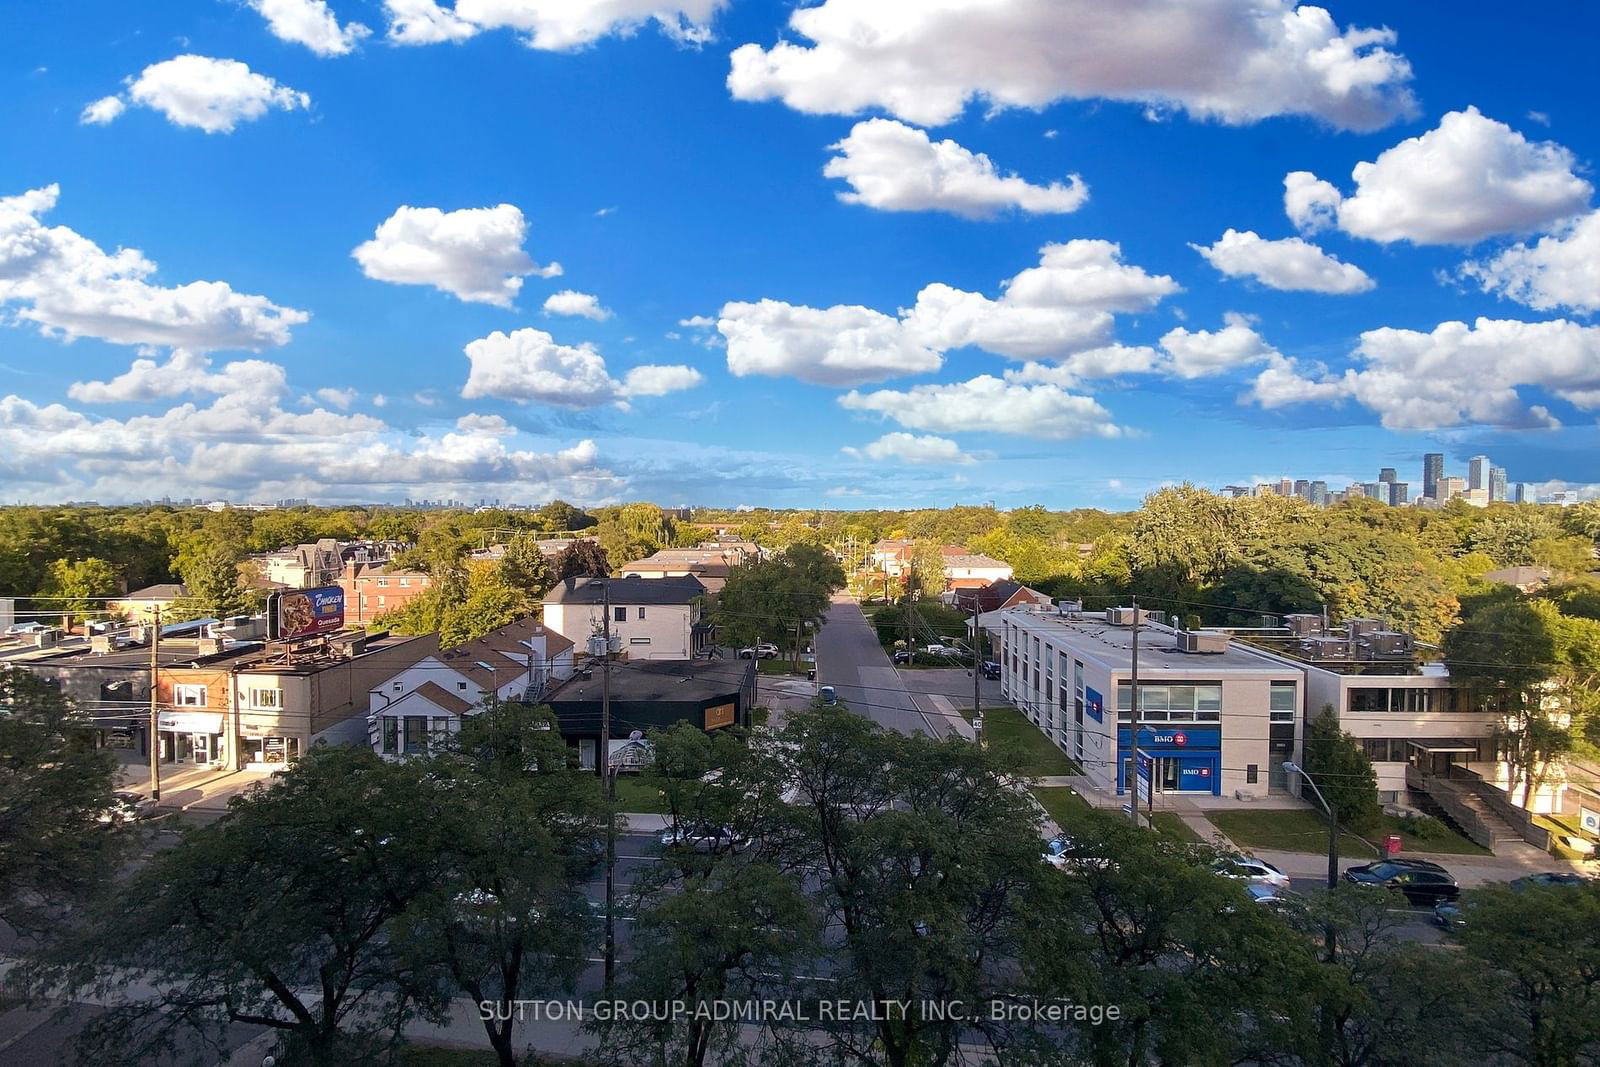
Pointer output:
x,y
1179,739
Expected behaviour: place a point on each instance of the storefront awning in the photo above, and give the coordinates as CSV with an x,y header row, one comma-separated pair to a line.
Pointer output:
x,y
191,722
1439,745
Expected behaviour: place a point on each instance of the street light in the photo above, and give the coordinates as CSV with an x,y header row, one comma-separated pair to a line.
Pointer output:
x,y
1333,841
608,782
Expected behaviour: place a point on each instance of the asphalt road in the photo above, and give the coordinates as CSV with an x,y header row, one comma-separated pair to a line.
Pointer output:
x,y
850,659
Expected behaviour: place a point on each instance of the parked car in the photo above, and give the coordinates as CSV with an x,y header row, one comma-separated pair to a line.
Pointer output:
x,y
702,838
1548,878
1061,852
828,695
1421,882
129,807
1251,870
940,650
762,651
1577,845
991,670
1450,914
902,656
1273,896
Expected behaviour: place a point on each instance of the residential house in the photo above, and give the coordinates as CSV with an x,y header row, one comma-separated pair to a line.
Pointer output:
x,y
375,589
141,605
1525,579
519,661
711,566
970,570
651,618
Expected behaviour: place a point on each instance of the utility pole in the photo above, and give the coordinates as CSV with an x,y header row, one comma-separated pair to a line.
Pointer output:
x,y
610,790
1138,726
155,708
977,667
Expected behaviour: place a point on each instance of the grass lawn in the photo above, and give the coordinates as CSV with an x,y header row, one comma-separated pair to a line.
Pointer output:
x,y
781,665
1307,831
1009,727
1067,808
639,795
1170,825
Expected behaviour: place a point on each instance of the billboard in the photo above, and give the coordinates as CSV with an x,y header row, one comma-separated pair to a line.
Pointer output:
x,y
305,613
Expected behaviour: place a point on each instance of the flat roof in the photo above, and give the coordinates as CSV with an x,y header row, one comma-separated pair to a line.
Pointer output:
x,y
663,680
1112,646
1282,646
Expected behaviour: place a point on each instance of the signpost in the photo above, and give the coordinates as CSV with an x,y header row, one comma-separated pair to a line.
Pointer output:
x,y
1143,776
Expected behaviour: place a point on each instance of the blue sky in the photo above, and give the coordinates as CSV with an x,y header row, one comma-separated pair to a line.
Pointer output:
x,y
737,327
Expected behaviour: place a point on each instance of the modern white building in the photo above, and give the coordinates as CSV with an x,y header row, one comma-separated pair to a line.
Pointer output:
x,y
1215,718
651,618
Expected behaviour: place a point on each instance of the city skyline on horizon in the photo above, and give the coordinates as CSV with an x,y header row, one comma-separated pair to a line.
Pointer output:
x,y
650,252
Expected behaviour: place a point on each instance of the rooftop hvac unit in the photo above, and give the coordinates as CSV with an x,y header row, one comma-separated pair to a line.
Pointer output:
x,y
1389,643
1303,625
1326,648
1126,616
209,646
1202,642
1069,607
1357,628
100,644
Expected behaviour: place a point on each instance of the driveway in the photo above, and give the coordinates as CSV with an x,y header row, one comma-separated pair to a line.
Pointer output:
x,y
850,659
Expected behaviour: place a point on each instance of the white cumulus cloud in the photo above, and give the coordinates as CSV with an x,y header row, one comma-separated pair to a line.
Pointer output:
x,y
1560,271
213,95
894,167
987,404
311,23
550,25
475,254
1234,61
1469,178
1291,264
840,345
530,366
1457,374
901,447
1201,353
71,287
572,302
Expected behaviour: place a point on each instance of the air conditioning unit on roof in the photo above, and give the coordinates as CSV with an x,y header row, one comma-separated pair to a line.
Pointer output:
x,y
1202,642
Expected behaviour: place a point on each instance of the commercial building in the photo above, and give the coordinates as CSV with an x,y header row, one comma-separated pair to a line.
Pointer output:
x,y
1215,718
651,618
1497,484
1432,474
1478,473
711,694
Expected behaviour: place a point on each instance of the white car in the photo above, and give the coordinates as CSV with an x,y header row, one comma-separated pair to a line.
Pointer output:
x,y
1059,853
1252,871
129,807
703,838
762,651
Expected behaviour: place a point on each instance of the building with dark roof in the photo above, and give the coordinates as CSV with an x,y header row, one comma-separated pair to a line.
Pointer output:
x,y
651,618
712,694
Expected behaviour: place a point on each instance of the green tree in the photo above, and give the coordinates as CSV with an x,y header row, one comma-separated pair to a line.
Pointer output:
x,y
1509,534
1543,945
506,918
1342,771
55,788
558,516
216,588
581,559
525,569
76,586
282,913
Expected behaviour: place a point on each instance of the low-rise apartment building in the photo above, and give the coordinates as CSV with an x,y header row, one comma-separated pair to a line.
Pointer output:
x,y
375,589
651,618
1215,718
141,605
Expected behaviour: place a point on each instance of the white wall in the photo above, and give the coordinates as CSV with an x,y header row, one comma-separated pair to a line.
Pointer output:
x,y
664,632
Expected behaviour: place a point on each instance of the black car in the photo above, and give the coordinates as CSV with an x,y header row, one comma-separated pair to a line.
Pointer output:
x,y
991,669
902,656
1421,882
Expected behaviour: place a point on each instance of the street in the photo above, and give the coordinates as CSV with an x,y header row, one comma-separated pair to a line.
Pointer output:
x,y
850,659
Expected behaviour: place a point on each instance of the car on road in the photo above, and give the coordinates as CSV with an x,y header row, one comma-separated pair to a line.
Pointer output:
x,y
1548,879
762,651
991,670
902,656
1252,871
941,650
1061,852
1273,896
128,806
703,838
828,695
1419,881
1450,914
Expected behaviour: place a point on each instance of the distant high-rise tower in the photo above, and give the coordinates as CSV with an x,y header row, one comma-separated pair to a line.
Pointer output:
x,y
1388,474
1432,474
1399,493
1497,484
1319,494
1285,487
1522,493
1302,489
1478,473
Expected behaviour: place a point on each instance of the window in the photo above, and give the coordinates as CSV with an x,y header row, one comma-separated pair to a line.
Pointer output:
x,y
266,698
461,687
391,734
638,640
1250,775
189,696
380,602
1282,704
1197,702
404,582
383,583
619,614
439,727
1369,700
399,687
639,614
416,733
363,600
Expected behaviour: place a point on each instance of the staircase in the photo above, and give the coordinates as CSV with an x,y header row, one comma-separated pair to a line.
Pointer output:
x,y
1469,811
